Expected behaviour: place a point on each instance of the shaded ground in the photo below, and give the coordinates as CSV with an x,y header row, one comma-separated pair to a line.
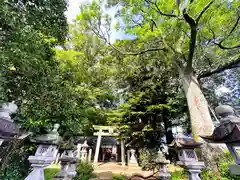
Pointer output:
x,y
105,171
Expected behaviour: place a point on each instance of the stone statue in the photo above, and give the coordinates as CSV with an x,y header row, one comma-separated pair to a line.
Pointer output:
x,y
229,126
51,137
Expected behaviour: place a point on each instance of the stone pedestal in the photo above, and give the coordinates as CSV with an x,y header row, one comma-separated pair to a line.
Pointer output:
x,y
37,173
234,169
44,156
194,169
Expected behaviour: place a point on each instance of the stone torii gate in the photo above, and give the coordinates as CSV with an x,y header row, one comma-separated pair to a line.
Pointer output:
x,y
107,131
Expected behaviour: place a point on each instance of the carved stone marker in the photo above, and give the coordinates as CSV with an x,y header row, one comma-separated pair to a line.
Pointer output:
x,y
228,132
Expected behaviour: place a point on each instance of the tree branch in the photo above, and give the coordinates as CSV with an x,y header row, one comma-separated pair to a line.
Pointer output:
x,y
158,10
204,10
145,51
229,65
232,30
224,47
192,44
220,43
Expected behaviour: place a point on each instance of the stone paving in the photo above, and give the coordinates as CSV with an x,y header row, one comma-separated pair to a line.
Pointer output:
x,y
105,171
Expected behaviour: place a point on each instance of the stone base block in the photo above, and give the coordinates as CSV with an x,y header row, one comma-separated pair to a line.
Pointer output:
x,y
234,169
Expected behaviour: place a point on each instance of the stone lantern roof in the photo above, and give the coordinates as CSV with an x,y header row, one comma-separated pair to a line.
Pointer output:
x,y
183,142
229,128
51,137
8,129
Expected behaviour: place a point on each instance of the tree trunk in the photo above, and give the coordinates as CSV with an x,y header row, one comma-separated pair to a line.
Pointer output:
x,y
201,121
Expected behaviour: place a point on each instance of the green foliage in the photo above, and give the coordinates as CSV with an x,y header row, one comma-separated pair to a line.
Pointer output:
x,y
84,171
223,170
14,160
119,177
179,175
51,171
146,159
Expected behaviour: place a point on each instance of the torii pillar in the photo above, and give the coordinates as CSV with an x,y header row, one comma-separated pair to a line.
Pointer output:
x,y
97,146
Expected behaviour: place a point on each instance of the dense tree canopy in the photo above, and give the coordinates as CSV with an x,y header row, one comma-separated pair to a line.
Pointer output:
x,y
195,36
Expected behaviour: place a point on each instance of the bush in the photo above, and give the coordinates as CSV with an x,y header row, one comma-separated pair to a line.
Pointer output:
x,y
179,175
223,170
146,158
84,171
119,177
51,171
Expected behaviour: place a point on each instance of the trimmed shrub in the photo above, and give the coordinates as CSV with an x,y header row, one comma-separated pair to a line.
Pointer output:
x,y
84,171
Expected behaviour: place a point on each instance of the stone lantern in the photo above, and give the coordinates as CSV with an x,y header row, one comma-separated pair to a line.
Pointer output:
x,y
46,153
185,148
228,132
162,162
8,129
68,161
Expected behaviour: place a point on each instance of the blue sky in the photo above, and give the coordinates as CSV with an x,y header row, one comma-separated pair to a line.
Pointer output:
x,y
73,10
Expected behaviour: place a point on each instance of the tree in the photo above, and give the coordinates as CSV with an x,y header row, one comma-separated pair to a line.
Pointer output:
x,y
28,32
28,67
150,97
198,37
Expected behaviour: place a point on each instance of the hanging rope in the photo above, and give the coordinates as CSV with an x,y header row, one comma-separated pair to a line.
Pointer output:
x,y
214,115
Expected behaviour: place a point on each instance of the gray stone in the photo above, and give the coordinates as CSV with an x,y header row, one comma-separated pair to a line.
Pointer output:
x,y
234,169
43,157
36,174
162,165
229,128
188,159
7,127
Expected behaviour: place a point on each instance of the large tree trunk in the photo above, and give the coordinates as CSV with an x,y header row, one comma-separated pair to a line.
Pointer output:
x,y
198,107
201,120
